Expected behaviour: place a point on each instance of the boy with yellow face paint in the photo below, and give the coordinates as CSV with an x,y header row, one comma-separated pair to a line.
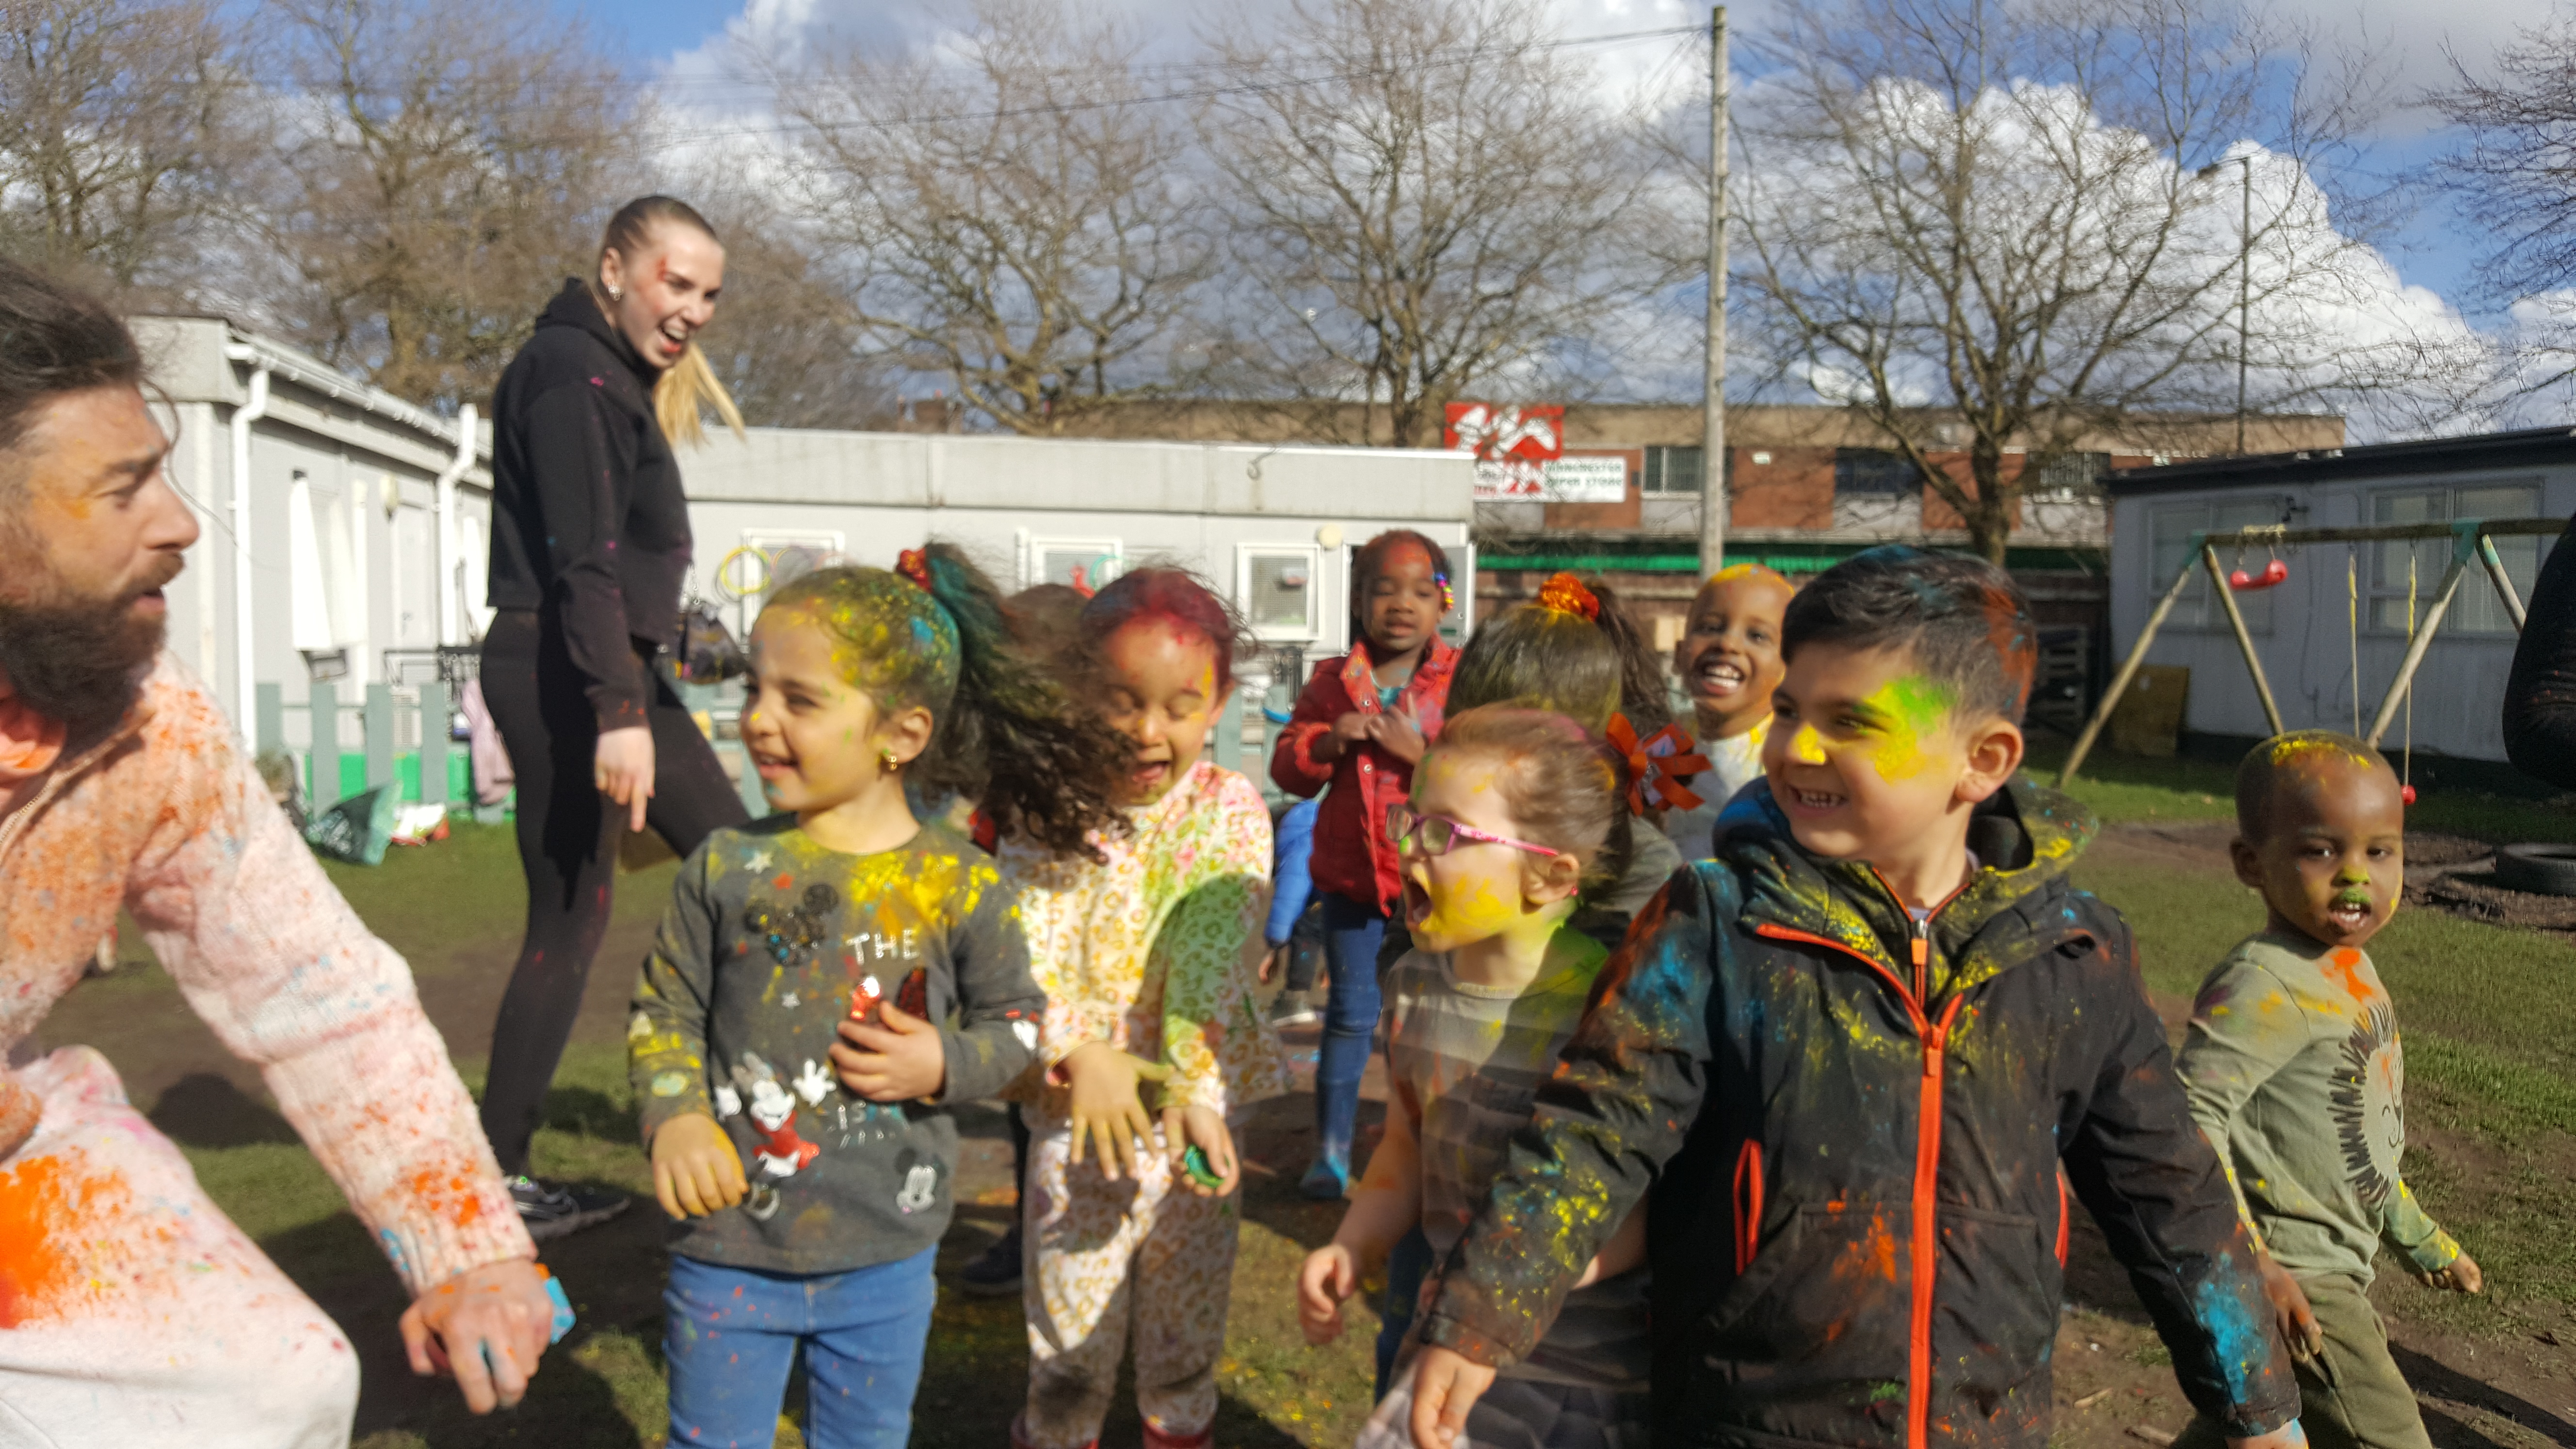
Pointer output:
x,y
1860,1057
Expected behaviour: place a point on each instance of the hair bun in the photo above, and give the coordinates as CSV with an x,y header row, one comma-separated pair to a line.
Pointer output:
x,y
1566,595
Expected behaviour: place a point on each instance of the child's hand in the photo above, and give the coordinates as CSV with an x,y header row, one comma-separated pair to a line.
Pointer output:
x,y
2463,1276
902,1061
2290,1311
1329,1275
1345,735
2288,1436
695,1168
1272,960
1446,1384
1106,1108
1399,736
1183,1126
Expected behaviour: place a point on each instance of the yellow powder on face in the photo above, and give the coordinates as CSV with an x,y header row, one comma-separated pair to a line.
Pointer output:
x,y
1806,747
1916,710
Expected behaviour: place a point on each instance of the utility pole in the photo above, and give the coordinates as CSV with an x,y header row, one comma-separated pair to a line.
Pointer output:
x,y
1712,451
2244,284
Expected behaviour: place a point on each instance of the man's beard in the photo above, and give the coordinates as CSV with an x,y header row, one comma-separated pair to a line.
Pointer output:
x,y
80,661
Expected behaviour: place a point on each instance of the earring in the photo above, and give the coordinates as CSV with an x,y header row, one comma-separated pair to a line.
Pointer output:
x,y
887,759
617,294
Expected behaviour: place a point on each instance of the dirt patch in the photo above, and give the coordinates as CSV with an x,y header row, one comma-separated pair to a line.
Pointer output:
x,y
2452,874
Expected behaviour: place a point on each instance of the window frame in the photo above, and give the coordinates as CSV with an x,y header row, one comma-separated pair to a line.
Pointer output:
x,y
1036,547
1313,628
2393,590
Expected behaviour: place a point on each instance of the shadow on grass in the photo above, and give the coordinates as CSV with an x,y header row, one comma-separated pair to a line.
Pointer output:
x,y
202,1109
2430,1376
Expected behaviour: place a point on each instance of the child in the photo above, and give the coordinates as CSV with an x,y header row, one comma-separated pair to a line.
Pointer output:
x,y
1292,889
2295,1072
1851,1054
1729,662
1148,948
1360,726
1511,811
793,1007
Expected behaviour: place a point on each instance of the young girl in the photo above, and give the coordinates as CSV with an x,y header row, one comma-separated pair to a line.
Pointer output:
x,y
1514,811
1146,954
792,1009
1360,726
1729,662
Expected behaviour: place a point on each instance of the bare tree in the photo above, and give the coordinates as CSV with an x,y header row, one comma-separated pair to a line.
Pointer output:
x,y
445,165
1425,197
787,340
2003,228
2518,168
119,119
1014,207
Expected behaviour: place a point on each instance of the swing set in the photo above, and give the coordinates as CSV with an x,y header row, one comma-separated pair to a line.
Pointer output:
x,y
2472,540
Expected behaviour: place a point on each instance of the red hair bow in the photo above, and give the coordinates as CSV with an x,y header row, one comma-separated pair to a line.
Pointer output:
x,y
1566,595
914,564
1657,765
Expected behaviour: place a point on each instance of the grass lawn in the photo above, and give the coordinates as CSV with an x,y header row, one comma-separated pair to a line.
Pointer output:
x,y
2491,1027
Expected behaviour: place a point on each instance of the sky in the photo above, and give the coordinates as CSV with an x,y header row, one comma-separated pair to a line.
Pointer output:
x,y
2427,248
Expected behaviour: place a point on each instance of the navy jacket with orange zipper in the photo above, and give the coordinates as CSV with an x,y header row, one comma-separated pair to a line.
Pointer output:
x,y
1853,1132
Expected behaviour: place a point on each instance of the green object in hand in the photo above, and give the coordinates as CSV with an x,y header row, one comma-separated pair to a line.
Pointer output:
x,y
1195,1163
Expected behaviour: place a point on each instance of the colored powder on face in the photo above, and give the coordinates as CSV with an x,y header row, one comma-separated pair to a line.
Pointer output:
x,y
1916,708
1806,747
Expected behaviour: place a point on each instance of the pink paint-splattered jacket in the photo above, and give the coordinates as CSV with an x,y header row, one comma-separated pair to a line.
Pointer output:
x,y
167,819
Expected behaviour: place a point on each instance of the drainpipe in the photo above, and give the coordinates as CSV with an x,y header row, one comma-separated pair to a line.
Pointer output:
x,y
252,409
450,604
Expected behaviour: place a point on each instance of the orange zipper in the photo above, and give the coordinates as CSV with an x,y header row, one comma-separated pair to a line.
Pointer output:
x,y
1748,1204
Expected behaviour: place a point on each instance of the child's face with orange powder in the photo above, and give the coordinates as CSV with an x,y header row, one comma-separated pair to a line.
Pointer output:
x,y
1869,757
1729,654
1402,608
2331,858
1476,890
1164,698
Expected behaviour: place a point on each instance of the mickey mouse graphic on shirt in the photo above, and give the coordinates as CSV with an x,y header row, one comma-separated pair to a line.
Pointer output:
x,y
781,1152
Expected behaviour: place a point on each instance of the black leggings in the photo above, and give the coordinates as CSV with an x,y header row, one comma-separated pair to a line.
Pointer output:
x,y
568,834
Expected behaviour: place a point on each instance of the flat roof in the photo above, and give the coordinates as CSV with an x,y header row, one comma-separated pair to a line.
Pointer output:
x,y
2525,447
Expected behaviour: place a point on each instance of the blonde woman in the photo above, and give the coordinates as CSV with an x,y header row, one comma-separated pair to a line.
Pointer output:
x,y
590,542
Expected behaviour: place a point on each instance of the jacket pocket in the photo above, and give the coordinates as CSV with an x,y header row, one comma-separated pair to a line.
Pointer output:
x,y
1823,1301
1994,1317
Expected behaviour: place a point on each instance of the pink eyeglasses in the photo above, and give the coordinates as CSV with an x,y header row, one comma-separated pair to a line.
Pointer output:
x,y
1437,834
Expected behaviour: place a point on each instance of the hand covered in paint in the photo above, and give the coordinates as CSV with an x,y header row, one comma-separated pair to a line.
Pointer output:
x,y
1106,1107
696,1170
623,770
1184,1127
1446,1384
2463,1276
487,1326
902,1059
1399,736
2290,1311
1331,1274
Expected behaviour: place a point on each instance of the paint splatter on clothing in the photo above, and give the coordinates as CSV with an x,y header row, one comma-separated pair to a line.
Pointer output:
x,y
1855,1152
1108,1261
1353,858
1154,952
2296,1073
768,937
1464,1063
167,819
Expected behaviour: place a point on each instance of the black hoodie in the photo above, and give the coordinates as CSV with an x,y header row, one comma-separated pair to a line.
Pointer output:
x,y
588,520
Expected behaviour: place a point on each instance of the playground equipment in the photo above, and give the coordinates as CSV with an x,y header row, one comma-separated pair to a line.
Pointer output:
x,y
2470,541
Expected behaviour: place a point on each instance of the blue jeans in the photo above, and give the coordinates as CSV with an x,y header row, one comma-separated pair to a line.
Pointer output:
x,y
731,1335
1352,933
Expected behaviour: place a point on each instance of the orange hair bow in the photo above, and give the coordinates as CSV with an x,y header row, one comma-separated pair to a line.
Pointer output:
x,y
1657,765
914,564
1566,595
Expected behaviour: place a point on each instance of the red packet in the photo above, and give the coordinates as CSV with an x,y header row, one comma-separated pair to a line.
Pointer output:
x,y
864,1000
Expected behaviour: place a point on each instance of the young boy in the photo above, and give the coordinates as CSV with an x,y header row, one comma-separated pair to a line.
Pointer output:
x,y
2295,1073
1729,662
1850,1055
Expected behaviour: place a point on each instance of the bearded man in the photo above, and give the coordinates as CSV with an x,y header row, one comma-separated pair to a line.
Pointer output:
x,y
132,1312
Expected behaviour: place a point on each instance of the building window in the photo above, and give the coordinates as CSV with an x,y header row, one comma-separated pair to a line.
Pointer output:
x,y
1080,563
326,596
2476,609
1673,470
2069,478
1278,587
787,555
1874,473
2198,608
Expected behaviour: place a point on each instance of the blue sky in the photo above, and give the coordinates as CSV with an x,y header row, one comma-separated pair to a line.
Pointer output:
x,y
2428,248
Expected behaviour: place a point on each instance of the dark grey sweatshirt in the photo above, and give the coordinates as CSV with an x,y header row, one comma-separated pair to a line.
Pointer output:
x,y
767,936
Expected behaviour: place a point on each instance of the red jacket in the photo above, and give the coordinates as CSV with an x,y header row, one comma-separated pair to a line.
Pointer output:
x,y
1353,858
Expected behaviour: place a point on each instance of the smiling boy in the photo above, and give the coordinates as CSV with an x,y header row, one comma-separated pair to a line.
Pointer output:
x,y
2295,1072
1850,1056
1728,661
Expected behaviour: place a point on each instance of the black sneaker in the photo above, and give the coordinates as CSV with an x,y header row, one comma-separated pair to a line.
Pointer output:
x,y
553,1211
997,1272
1293,1009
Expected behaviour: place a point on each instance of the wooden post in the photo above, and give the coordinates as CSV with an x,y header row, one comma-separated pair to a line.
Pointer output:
x,y
2503,581
272,719
2244,640
433,742
325,752
2120,682
380,738
2416,646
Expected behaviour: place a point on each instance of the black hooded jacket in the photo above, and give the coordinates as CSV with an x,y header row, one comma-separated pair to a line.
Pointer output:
x,y
588,520
1853,1130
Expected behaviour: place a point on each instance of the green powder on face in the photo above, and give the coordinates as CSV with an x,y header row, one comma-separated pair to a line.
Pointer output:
x,y
1916,708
